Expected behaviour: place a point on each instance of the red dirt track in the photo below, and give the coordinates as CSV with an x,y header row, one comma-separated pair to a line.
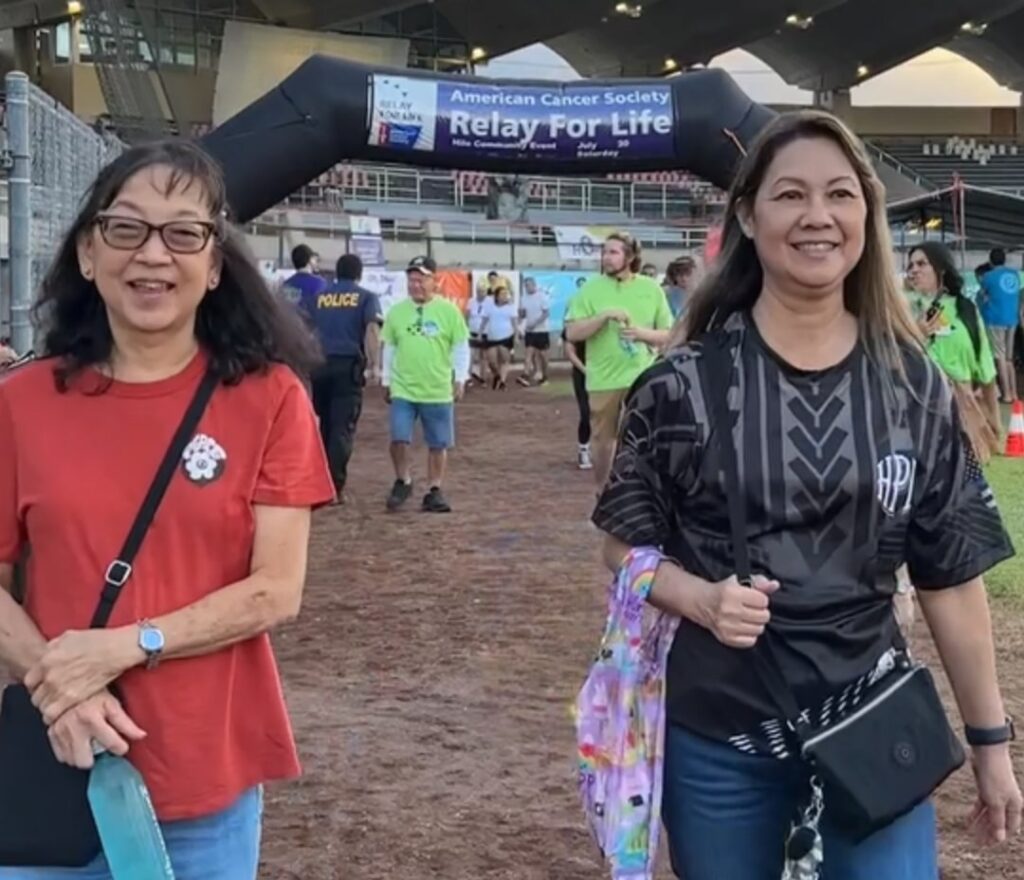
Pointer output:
x,y
430,674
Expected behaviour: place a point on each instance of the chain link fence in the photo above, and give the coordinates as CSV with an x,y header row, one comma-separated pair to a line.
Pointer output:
x,y
52,158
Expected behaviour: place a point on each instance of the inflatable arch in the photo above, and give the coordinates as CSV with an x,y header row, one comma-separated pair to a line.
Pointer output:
x,y
330,110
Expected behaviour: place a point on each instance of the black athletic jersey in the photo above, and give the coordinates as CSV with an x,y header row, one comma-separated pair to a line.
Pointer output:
x,y
841,489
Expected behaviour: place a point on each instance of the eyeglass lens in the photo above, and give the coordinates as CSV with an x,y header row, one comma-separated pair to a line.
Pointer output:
x,y
180,236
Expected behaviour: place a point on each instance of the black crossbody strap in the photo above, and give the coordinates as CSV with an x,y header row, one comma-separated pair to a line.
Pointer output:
x,y
120,569
716,366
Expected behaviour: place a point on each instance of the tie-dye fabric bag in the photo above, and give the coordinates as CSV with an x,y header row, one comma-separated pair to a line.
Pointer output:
x,y
620,724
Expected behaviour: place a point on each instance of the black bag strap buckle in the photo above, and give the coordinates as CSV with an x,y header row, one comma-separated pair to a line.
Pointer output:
x,y
118,573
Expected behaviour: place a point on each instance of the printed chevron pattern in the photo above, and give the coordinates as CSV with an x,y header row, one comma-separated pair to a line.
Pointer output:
x,y
818,436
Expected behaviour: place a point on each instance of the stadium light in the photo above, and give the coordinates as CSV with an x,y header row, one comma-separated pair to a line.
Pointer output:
x,y
633,10
671,64
975,29
479,53
799,21
862,71
74,7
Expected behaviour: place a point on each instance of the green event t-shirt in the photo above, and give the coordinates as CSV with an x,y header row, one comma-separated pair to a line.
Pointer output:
x,y
614,363
423,337
952,347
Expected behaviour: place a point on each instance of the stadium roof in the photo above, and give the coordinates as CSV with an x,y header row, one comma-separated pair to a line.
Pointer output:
x,y
991,218
815,44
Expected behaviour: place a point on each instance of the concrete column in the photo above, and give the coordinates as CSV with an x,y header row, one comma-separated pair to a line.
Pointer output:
x,y
836,101
26,57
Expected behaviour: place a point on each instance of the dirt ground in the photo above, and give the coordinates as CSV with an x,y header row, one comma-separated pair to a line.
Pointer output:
x,y
431,671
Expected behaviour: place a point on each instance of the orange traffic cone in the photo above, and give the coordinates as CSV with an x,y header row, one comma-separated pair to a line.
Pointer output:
x,y
1015,434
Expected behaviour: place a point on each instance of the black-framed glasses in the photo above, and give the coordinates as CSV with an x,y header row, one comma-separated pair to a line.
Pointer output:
x,y
178,236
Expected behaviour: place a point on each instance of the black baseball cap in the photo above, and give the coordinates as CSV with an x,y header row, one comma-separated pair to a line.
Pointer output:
x,y
423,265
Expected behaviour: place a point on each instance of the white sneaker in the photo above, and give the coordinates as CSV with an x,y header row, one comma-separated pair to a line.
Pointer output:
x,y
583,460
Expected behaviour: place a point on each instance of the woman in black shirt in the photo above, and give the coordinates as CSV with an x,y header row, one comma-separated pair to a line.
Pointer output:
x,y
852,463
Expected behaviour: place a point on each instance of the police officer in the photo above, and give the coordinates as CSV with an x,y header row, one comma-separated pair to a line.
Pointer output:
x,y
347,320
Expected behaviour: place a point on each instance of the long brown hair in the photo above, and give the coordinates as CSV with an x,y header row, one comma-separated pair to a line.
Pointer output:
x,y
871,291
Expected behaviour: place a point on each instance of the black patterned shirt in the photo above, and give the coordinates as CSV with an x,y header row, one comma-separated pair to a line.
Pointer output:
x,y
841,489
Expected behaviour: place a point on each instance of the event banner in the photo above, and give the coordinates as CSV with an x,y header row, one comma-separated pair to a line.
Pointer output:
x,y
581,243
556,122
390,287
454,284
393,287
560,288
507,278
365,240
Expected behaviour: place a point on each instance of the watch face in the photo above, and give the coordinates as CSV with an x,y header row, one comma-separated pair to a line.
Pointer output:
x,y
151,640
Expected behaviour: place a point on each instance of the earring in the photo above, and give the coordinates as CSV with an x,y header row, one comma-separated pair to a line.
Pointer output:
x,y
214,283
87,274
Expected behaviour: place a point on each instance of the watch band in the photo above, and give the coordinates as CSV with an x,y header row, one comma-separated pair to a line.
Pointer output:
x,y
990,736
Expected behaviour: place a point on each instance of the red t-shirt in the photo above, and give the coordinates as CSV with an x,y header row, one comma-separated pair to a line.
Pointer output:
x,y
74,468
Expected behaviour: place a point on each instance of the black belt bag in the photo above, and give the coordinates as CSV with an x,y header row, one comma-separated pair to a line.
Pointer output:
x,y
886,756
875,762
45,819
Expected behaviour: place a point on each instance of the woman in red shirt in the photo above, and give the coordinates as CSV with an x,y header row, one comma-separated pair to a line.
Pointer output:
x,y
151,288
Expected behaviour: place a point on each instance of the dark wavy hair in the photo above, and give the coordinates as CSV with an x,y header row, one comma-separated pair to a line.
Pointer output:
x,y
240,324
950,281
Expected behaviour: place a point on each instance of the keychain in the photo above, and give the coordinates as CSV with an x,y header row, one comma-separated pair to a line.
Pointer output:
x,y
805,851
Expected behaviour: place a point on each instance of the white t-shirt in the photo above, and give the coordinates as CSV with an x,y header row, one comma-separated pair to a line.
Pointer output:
x,y
476,313
533,306
501,320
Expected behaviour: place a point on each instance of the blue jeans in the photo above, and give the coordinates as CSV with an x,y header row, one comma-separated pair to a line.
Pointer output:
x,y
438,422
222,846
727,815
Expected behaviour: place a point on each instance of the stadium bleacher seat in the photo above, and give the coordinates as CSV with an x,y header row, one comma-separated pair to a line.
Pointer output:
x,y
979,161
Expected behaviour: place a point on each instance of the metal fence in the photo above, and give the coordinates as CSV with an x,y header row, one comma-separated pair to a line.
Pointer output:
x,y
52,158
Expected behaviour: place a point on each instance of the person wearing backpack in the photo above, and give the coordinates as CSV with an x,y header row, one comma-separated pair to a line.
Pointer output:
x,y
957,341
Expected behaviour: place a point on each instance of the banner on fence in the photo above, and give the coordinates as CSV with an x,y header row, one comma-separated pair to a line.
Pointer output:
x,y
560,288
581,243
556,122
390,287
507,278
365,240
454,284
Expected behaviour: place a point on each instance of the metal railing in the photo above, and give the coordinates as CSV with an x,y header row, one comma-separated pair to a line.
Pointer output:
x,y
384,184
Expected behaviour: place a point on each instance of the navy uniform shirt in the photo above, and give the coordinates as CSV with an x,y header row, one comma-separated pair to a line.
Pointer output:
x,y
340,315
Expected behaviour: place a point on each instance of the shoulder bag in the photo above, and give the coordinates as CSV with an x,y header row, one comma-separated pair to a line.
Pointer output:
x,y
879,760
45,818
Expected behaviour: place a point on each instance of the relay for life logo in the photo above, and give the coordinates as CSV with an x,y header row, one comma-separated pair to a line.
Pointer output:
x,y
561,123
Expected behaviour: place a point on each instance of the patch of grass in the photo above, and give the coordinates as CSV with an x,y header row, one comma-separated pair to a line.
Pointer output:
x,y
1006,476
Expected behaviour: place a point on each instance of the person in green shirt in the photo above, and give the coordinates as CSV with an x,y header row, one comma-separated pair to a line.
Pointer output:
x,y
956,340
623,318
426,365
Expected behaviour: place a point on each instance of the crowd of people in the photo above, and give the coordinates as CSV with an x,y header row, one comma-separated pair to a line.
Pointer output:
x,y
849,441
